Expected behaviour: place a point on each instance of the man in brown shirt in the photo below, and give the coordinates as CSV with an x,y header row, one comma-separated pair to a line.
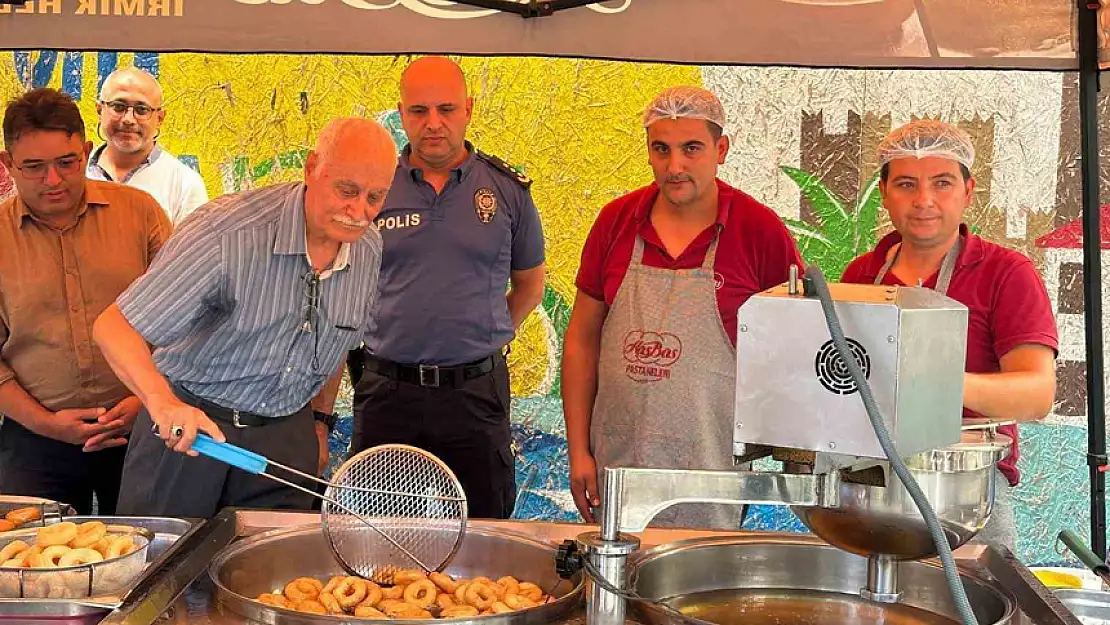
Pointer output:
x,y
68,247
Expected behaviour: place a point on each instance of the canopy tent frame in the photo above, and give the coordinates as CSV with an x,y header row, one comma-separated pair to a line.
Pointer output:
x,y
1086,21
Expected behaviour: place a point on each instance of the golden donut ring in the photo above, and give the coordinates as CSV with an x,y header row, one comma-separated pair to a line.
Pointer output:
x,y
121,546
500,608
350,592
13,549
386,605
530,591
480,596
422,592
77,557
330,602
409,611
518,602
374,595
53,555
510,584
277,601
444,581
57,534
311,606
332,583
408,576
32,558
393,592
460,611
88,534
19,516
303,589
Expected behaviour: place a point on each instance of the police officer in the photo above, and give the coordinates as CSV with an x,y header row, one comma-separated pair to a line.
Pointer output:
x,y
463,265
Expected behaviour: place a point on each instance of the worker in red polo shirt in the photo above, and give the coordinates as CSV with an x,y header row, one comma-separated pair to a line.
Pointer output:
x,y
926,186
649,362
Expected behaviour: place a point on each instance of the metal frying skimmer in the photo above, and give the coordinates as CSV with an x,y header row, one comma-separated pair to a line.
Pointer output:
x,y
388,508
412,500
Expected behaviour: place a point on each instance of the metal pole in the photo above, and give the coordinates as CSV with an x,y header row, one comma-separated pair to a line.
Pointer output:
x,y
1092,268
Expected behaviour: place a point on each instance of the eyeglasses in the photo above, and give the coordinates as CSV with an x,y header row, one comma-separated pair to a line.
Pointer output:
x,y
36,170
311,311
311,301
142,111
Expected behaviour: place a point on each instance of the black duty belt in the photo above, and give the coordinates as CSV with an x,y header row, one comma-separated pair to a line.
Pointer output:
x,y
236,418
433,376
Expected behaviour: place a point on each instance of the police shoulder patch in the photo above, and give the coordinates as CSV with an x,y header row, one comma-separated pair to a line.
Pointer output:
x,y
505,168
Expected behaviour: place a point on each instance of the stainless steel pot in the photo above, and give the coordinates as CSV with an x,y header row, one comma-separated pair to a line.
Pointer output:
x,y
959,482
266,562
790,578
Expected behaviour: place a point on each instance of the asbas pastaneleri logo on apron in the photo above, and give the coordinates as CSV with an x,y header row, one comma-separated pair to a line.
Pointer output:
x,y
649,356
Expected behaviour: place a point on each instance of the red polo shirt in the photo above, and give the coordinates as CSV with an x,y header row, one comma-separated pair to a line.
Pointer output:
x,y
754,252
1007,307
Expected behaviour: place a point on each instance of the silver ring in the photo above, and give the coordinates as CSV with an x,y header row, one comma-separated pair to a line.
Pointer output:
x,y
176,431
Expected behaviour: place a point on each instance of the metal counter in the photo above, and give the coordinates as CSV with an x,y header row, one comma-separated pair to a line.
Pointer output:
x,y
180,590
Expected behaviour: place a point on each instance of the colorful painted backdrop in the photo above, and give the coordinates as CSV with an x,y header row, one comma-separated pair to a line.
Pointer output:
x,y
802,142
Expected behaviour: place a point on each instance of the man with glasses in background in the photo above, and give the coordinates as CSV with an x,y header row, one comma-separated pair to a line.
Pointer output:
x,y
131,115
251,308
68,247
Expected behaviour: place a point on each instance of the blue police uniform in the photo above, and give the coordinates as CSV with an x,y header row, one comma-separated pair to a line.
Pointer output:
x,y
434,367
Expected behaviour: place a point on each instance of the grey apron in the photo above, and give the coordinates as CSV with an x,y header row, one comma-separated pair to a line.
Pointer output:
x,y
947,266
999,529
667,382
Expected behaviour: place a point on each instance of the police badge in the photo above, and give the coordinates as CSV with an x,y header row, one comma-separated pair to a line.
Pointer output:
x,y
485,204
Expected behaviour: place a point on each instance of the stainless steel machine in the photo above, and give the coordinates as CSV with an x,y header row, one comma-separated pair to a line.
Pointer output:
x,y
798,405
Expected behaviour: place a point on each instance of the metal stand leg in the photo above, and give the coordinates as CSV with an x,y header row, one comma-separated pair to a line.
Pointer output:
x,y
610,559
882,580
608,552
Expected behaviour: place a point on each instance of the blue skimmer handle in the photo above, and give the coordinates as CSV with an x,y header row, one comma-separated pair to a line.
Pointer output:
x,y
230,454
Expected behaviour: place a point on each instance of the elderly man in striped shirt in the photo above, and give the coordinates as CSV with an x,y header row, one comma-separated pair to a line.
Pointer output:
x,y
251,307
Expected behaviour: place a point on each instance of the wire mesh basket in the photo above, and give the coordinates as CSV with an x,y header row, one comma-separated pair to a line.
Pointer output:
x,y
399,507
75,582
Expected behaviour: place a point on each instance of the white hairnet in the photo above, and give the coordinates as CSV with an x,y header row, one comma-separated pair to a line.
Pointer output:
x,y
927,137
685,103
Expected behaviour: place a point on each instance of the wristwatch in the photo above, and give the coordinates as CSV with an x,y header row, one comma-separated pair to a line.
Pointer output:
x,y
325,418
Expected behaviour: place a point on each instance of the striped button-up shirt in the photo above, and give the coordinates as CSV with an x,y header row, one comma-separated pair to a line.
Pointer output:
x,y
226,303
